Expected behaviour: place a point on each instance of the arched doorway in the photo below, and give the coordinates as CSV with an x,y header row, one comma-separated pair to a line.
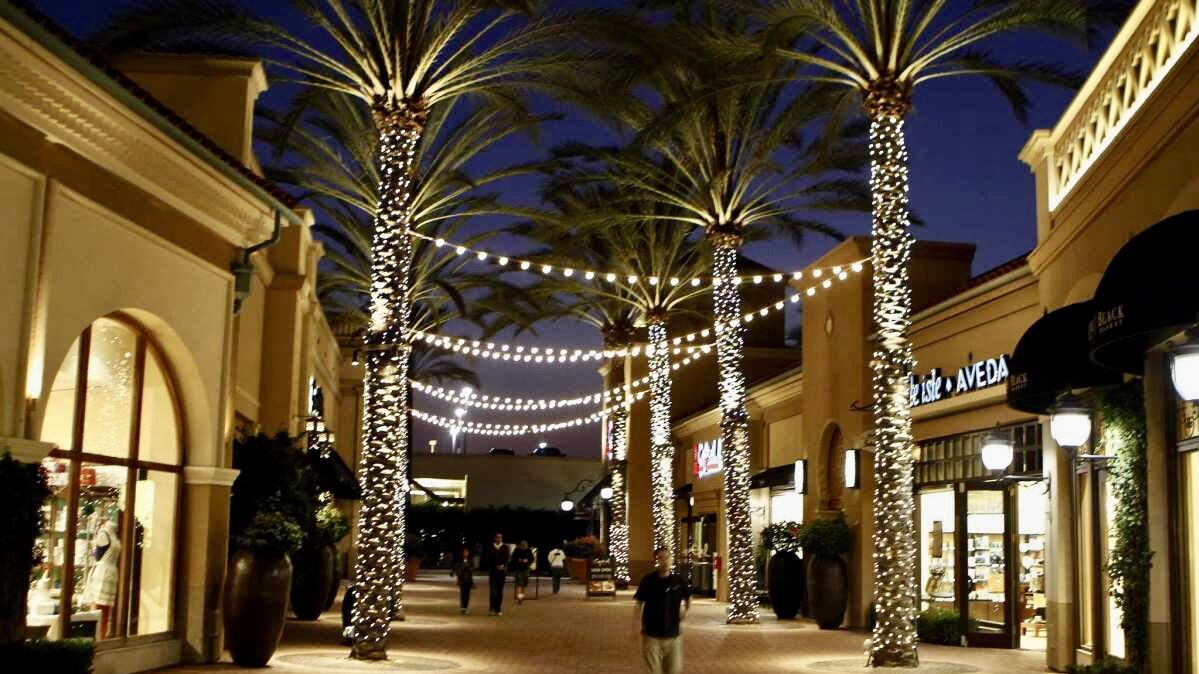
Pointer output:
x,y
108,555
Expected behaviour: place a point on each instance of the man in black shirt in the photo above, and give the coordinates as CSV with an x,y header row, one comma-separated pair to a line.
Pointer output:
x,y
662,601
495,560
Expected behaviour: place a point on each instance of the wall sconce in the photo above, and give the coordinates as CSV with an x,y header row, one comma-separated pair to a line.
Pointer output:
x,y
997,450
1184,368
801,476
567,505
1070,423
852,479
606,493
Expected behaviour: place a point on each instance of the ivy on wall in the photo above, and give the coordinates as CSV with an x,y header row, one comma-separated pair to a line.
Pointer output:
x,y
1124,438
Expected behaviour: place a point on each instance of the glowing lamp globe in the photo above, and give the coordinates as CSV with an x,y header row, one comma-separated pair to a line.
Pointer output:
x,y
1184,370
997,451
606,493
568,505
1070,424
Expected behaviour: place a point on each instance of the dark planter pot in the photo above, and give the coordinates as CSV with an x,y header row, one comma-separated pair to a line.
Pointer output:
x,y
828,590
785,581
255,605
312,581
411,568
576,568
336,584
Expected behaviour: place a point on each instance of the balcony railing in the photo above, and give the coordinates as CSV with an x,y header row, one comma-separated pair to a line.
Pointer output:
x,y
1152,41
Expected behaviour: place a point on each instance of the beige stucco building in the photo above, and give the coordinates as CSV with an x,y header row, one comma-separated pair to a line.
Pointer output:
x,y
142,330
1022,551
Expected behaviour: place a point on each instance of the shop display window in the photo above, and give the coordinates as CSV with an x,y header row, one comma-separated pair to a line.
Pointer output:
x,y
1032,505
107,557
938,588
985,563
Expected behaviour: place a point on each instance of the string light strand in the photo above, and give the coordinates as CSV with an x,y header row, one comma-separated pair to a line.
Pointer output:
x,y
595,275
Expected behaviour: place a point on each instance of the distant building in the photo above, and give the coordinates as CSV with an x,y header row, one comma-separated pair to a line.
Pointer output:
x,y
485,481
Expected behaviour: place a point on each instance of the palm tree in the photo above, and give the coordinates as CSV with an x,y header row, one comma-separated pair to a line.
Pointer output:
x,y
651,260
324,147
402,58
879,51
727,160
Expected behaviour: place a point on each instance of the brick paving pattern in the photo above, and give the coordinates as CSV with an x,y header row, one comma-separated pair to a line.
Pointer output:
x,y
568,633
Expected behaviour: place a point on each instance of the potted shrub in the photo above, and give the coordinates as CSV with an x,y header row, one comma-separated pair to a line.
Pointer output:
x,y
939,626
314,581
257,586
784,571
414,556
824,543
334,525
578,555
22,491
66,656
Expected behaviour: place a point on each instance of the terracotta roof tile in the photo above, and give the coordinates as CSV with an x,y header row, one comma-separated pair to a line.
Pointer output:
x,y
988,275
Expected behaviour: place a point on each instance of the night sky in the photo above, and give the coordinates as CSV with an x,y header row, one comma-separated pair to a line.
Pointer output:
x,y
966,184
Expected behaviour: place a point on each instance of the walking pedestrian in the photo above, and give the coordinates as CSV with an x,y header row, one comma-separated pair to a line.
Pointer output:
x,y
495,560
522,561
464,572
662,601
557,562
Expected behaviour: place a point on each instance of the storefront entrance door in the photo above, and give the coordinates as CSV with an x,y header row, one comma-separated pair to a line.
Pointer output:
x,y
986,580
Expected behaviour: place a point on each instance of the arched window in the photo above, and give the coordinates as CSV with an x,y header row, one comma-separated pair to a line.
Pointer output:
x,y
108,554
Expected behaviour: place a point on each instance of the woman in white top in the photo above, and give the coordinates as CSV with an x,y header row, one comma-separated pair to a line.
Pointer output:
x,y
556,559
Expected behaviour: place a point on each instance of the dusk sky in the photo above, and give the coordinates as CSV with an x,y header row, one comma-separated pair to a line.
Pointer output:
x,y
966,184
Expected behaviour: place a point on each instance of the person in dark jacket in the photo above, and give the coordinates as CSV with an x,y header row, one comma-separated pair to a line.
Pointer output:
x,y
522,561
464,572
495,560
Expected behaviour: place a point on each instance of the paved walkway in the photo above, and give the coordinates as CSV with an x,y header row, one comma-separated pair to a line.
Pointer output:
x,y
571,634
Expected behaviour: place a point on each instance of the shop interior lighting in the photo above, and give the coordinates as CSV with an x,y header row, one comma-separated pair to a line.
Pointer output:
x,y
1070,422
997,452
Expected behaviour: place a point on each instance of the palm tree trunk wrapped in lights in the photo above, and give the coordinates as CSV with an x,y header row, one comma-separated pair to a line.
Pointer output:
x,y
618,525
661,447
894,640
618,335
383,470
734,423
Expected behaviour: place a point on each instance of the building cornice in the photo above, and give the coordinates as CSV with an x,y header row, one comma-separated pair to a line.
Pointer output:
x,y
25,450
210,475
50,87
1154,38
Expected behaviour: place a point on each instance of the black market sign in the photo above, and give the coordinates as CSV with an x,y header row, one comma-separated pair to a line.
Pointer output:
x,y
935,386
601,577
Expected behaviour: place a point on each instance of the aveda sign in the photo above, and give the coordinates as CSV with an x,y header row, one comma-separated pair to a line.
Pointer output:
x,y
935,386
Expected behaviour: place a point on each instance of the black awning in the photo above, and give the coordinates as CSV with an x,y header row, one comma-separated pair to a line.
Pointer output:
x,y
335,476
779,476
1147,294
1051,358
